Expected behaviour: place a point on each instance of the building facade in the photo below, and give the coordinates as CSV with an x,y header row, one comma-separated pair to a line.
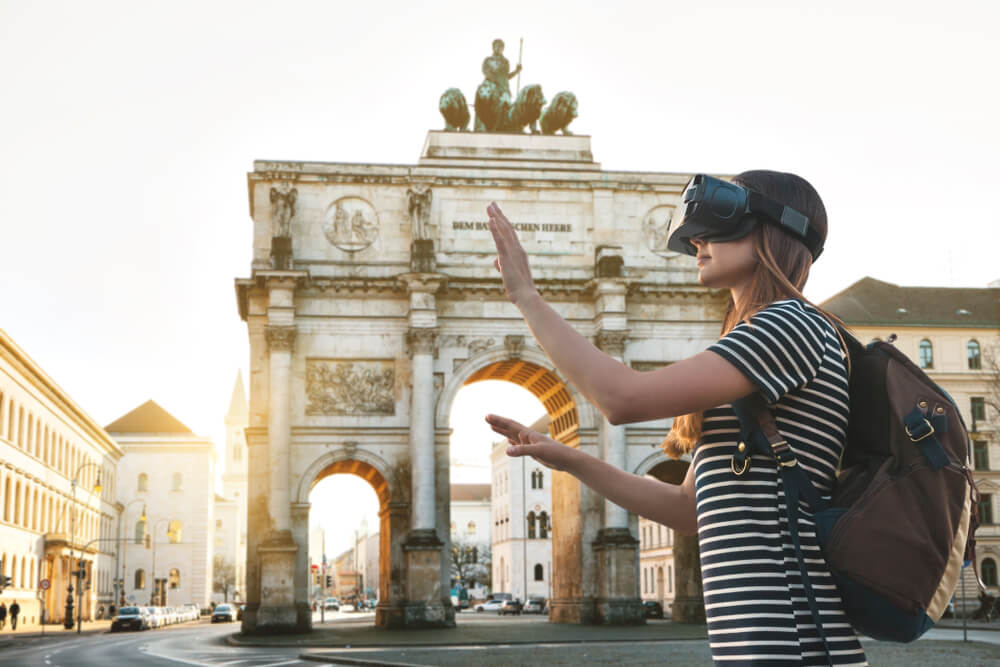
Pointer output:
x,y
656,562
231,507
471,537
521,510
167,474
57,494
953,334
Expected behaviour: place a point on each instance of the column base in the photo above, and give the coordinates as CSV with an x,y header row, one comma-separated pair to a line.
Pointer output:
x,y
277,612
426,604
618,602
572,612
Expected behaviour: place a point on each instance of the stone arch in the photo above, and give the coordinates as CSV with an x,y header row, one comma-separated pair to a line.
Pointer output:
x,y
358,462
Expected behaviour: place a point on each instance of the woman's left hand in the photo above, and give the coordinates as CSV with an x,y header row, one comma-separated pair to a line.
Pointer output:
x,y
526,442
511,261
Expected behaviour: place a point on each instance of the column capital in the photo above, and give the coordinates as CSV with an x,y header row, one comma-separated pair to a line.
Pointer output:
x,y
612,341
422,282
422,340
280,337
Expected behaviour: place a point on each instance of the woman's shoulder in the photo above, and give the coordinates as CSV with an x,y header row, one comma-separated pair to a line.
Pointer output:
x,y
794,314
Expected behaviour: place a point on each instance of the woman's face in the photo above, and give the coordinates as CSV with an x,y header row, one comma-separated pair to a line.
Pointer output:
x,y
725,264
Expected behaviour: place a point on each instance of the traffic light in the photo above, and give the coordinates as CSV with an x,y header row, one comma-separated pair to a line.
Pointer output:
x,y
329,581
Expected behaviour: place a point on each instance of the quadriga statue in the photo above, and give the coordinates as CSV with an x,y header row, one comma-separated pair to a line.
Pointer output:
x,y
558,115
455,110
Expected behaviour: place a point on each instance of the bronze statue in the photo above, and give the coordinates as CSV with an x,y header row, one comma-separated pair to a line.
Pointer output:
x,y
455,110
558,115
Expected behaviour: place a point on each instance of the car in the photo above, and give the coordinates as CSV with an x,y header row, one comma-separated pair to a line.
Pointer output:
x,y
490,605
332,603
652,609
224,612
510,607
130,618
156,618
534,606
239,612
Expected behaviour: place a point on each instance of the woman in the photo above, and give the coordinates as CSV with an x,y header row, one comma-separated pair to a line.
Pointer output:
x,y
758,238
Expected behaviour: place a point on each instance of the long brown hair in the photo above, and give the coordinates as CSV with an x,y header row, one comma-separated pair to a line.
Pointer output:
x,y
781,271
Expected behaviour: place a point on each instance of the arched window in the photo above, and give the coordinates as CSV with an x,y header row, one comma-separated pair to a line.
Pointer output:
x,y
531,525
988,571
926,354
975,358
143,483
140,580
539,572
140,531
454,528
175,578
470,529
176,482
543,525
174,531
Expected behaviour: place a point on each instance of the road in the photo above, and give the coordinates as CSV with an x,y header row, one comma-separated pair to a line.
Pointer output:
x,y
203,644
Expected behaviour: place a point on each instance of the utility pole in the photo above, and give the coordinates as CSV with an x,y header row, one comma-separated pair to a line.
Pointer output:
x,y
322,582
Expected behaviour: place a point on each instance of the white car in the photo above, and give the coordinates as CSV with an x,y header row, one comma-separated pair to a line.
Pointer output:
x,y
490,605
155,620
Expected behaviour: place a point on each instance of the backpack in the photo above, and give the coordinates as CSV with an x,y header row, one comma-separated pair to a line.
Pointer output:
x,y
901,518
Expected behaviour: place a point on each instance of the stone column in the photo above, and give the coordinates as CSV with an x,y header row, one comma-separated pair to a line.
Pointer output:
x,y
281,342
689,598
421,342
300,533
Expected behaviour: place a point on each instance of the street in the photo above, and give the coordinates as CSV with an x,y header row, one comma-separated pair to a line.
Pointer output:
x,y
204,644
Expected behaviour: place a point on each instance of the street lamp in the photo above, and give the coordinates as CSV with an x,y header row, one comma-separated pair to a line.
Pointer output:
x,y
68,621
124,543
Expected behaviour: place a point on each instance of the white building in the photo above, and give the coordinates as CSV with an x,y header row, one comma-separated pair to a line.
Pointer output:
x,y
231,508
46,442
521,511
656,562
471,535
169,471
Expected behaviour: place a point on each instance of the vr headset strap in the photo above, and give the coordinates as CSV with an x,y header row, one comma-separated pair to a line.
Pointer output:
x,y
788,218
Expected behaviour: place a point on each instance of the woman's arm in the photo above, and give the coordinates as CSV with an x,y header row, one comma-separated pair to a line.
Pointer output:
x,y
670,504
622,394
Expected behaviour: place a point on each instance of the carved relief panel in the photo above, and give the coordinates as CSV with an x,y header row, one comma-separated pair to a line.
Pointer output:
x,y
656,227
351,224
350,387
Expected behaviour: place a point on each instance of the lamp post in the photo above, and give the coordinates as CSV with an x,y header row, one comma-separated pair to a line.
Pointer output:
x,y
124,542
68,621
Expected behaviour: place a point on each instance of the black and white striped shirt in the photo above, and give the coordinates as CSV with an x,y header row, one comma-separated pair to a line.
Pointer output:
x,y
754,599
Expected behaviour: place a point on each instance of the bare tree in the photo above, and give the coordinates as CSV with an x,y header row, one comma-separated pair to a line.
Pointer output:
x,y
991,364
470,562
223,577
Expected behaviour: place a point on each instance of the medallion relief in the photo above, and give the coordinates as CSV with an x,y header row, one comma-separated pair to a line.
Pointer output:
x,y
656,227
351,224
356,387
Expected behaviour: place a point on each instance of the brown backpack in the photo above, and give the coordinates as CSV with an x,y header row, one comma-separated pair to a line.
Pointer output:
x,y
901,519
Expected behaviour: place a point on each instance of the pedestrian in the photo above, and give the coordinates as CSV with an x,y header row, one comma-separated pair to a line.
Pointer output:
x,y
15,609
756,237
3,615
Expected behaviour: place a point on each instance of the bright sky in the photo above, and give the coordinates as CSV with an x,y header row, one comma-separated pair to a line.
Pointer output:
x,y
127,130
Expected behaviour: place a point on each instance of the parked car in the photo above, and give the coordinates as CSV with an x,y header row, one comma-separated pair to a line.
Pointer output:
x,y
130,618
224,612
156,618
652,608
534,606
332,603
490,605
510,607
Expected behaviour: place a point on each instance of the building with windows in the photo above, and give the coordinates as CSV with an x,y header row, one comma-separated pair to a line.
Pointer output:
x,y
57,494
656,562
954,335
471,532
521,511
231,507
167,472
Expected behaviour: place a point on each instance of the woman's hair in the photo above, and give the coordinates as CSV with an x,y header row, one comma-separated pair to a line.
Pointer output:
x,y
781,271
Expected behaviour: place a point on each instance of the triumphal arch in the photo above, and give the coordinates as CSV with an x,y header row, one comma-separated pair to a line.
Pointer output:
x,y
373,299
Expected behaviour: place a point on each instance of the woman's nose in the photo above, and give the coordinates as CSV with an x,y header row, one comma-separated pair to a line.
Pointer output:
x,y
697,242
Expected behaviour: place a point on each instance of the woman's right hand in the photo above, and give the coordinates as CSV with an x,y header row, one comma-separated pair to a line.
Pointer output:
x,y
526,442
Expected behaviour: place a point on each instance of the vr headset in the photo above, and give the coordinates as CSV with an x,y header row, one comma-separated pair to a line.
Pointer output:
x,y
716,210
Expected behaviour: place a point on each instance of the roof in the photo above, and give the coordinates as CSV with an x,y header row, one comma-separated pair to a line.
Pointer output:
x,y
148,418
470,492
238,403
870,301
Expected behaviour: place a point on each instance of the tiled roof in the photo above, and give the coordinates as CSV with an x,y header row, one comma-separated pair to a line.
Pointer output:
x,y
148,418
871,301
470,492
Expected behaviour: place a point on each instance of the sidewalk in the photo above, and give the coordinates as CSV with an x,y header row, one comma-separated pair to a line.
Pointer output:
x,y
34,631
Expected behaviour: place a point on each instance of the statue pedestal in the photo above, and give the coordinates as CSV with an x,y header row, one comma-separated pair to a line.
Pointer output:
x,y
427,605
689,600
278,613
482,150
617,601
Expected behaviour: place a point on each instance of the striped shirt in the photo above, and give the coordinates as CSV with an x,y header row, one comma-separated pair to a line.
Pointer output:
x,y
754,600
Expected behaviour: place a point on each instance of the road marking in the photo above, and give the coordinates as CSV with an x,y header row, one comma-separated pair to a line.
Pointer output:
x,y
286,662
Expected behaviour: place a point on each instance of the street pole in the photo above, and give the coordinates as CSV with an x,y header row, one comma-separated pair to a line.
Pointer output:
x,y
322,583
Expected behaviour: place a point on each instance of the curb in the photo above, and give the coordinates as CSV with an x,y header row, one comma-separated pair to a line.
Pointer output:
x,y
335,660
232,641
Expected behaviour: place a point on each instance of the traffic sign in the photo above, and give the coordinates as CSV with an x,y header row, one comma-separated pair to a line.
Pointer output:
x,y
131,598
44,584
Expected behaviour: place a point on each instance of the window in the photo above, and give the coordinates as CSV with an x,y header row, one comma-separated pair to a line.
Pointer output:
x,y
174,531
988,570
986,508
980,455
143,483
470,529
539,572
218,524
140,531
543,525
975,359
926,354
237,452
977,405
531,525
175,578
140,580
176,482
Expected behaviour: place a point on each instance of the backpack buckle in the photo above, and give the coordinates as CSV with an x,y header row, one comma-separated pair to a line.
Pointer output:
x,y
924,430
783,453
746,465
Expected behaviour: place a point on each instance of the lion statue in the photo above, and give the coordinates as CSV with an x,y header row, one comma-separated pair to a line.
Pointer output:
x,y
492,107
559,114
496,113
455,110
526,110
